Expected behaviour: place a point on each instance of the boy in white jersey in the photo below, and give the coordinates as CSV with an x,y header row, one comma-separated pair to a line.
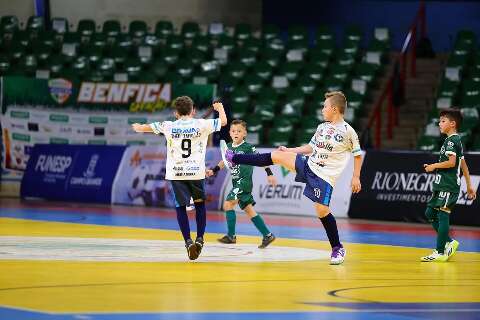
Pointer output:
x,y
186,147
329,151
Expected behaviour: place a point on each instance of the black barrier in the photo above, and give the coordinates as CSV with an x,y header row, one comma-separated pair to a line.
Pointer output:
x,y
396,188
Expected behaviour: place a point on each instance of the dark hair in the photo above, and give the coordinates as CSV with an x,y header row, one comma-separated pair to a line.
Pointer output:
x,y
183,105
453,115
239,122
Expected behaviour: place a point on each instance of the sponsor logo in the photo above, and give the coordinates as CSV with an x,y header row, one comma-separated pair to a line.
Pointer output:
x,y
281,191
462,197
88,176
338,138
123,92
60,89
55,164
19,114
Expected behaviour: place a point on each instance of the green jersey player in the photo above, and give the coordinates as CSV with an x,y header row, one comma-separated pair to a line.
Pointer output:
x,y
446,186
242,184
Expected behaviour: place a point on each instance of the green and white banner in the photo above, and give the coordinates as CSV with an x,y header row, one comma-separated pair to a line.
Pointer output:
x,y
61,112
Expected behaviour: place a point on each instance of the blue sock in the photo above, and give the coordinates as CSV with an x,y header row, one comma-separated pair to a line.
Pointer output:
x,y
182,219
201,217
254,159
330,225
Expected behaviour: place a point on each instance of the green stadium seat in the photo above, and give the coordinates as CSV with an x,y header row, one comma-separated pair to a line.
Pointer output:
x,y
159,68
81,66
262,69
4,64
270,32
283,123
466,36
268,94
133,67
185,69
48,38
353,34
471,94
226,42
272,56
254,83
296,33
86,28
240,95
470,119
252,44
448,89
98,40
163,29
315,72
55,65
201,43
278,138
137,29
95,76
339,71
175,42
172,77
293,104
428,143
306,84
236,70
197,57
239,109
112,28
264,109
35,25
28,64
366,71
324,33
325,46
9,25
290,69
334,84
190,30
255,130
247,58
93,53
42,51
317,56
243,31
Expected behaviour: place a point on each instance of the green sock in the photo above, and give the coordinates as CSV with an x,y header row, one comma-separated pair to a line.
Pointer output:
x,y
432,217
260,225
443,228
231,221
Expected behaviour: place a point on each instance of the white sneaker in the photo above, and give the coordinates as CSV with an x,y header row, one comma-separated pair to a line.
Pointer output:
x,y
434,257
451,247
338,255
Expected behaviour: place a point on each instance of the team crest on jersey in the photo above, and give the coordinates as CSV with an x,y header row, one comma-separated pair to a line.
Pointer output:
x,y
338,137
450,143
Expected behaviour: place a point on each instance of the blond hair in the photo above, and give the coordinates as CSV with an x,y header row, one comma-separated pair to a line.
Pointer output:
x,y
338,100
239,122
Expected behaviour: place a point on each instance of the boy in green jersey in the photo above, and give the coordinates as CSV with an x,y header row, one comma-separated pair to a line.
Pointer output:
x,y
242,184
446,186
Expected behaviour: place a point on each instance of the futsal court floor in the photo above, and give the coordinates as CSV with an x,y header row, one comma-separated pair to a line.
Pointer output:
x,y
66,261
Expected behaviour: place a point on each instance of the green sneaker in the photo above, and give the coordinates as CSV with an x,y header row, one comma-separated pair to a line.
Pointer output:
x,y
451,247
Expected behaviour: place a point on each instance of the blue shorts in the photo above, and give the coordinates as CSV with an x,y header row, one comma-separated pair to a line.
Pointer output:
x,y
316,189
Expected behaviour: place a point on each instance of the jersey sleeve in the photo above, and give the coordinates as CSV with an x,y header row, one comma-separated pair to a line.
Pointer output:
x,y
158,127
211,125
354,143
252,149
454,147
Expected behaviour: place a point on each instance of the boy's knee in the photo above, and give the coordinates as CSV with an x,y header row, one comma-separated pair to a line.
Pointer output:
x,y
431,214
322,211
227,205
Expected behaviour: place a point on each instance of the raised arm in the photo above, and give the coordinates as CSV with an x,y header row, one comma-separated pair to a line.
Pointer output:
x,y
142,128
218,106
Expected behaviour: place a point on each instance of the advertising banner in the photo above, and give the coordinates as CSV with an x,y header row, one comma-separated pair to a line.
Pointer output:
x,y
71,172
141,178
396,187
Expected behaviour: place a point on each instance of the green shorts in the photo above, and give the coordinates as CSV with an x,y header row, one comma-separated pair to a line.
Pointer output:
x,y
443,200
244,198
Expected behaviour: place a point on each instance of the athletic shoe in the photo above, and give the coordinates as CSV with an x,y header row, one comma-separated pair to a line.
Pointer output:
x,y
227,239
191,249
435,257
199,244
338,255
227,155
269,238
451,247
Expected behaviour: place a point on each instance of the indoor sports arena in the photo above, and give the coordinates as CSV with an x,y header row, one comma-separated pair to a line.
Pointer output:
x,y
233,160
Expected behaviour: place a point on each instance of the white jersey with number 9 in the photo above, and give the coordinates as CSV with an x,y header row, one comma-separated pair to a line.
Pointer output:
x,y
186,146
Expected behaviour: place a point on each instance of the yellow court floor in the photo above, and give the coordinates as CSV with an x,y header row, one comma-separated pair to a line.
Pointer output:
x,y
65,268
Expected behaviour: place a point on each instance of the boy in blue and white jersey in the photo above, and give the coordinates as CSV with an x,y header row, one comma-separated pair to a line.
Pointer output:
x,y
329,152
186,148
